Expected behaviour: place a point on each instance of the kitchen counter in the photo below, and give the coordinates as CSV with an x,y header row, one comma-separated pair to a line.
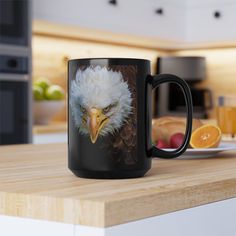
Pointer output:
x,y
52,127
54,132
35,183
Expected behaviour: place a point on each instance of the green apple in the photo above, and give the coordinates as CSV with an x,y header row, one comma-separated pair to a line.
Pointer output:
x,y
42,82
54,92
38,93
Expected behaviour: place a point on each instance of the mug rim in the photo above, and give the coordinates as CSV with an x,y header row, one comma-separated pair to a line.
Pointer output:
x,y
110,58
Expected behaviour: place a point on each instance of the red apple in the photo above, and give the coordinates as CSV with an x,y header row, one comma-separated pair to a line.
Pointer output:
x,y
176,140
162,144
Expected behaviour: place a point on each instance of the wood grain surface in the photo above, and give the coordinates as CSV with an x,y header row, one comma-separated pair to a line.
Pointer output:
x,y
46,28
52,127
35,183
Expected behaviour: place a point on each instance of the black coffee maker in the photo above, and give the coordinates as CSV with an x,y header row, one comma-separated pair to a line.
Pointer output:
x,y
168,98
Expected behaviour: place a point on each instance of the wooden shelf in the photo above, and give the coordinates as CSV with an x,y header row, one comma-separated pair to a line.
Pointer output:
x,y
53,127
41,27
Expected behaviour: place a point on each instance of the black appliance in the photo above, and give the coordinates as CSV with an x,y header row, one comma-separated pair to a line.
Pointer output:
x,y
15,72
168,98
14,25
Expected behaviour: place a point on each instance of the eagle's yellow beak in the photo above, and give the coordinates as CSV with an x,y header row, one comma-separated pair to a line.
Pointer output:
x,y
96,121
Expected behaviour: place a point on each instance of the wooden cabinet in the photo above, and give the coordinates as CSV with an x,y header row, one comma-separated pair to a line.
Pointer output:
x,y
136,17
181,21
211,21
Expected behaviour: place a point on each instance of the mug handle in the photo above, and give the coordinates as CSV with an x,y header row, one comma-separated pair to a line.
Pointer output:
x,y
155,81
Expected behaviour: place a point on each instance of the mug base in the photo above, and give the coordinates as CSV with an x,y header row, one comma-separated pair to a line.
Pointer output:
x,y
109,174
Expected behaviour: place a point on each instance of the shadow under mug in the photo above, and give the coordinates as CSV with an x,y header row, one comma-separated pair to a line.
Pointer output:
x,y
109,117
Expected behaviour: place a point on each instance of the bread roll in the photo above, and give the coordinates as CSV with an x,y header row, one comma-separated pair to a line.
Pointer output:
x,y
166,126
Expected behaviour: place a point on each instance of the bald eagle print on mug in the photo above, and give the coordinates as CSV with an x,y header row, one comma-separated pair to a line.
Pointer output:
x,y
101,102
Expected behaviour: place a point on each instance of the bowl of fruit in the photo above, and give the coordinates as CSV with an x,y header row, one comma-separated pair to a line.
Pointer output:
x,y
48,100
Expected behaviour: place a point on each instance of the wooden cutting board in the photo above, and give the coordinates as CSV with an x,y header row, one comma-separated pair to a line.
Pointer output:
x,y
35,183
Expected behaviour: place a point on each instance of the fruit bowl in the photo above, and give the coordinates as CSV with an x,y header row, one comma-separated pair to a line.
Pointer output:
x,y
44,111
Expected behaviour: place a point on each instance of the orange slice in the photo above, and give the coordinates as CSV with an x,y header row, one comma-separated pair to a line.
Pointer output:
x,y
206,136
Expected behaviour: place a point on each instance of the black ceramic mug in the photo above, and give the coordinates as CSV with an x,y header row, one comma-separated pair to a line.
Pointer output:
x,y
109,120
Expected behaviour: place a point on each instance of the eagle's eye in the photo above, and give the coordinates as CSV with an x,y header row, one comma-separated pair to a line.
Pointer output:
x,y
82,109
108,108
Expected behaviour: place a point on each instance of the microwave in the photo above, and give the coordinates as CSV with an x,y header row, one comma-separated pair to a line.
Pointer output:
x,y
14,23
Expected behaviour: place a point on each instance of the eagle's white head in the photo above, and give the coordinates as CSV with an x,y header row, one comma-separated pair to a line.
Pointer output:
x,y
100,101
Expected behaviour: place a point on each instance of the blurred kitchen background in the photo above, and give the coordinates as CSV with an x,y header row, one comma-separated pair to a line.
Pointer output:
x,y
195,39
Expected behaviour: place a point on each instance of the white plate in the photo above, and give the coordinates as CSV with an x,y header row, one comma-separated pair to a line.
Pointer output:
x,y
207,152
